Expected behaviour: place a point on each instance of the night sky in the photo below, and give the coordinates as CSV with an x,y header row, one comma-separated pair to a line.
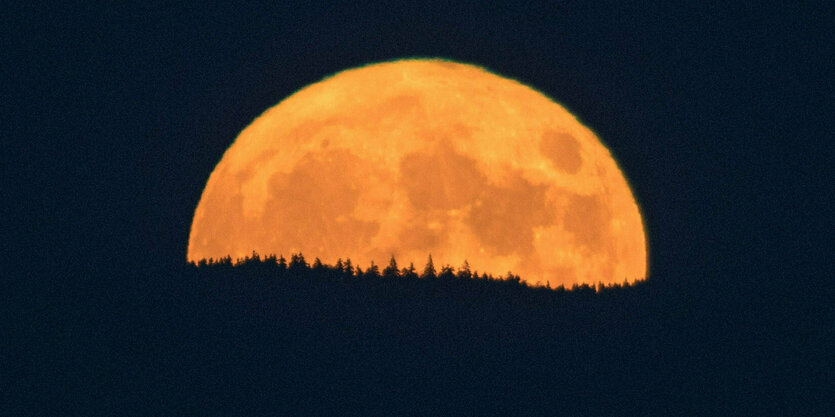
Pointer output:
x,y
718,115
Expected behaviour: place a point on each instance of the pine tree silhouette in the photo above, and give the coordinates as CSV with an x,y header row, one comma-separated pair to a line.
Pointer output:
x,y
429,269
409,272
464,271
348,271
373,271
282,265
317,265
447,273
391,270
297,262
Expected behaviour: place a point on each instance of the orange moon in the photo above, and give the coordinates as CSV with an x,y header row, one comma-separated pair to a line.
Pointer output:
x,y
413,157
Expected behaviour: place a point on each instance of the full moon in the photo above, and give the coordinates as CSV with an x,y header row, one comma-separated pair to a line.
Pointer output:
x,y
417,157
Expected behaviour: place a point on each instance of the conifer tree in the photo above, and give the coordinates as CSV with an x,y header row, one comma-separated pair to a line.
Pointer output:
x,y
391,270
409,272
373,271
297,263
464,272
282,264
429,269
349,268
447,272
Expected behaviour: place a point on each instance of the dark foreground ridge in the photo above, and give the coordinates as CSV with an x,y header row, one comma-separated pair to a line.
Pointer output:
x,y
266,337
321,338
447,279
276,338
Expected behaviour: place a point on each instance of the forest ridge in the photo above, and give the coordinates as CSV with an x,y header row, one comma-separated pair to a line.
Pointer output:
x,y
278,267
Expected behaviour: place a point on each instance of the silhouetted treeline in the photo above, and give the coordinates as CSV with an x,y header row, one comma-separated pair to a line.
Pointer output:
x,y
446,278
311,338
275,336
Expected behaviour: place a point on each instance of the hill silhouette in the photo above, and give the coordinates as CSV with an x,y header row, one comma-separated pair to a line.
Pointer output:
x,y
269,335
291,337
461,280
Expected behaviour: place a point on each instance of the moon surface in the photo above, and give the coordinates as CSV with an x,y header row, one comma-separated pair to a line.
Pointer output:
x,y
413,157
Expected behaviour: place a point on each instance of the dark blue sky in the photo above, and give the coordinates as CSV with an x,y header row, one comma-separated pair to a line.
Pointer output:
x,y
714,112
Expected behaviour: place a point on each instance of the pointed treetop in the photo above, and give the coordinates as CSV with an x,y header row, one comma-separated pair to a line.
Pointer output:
x,y
429,269
391,270
464,271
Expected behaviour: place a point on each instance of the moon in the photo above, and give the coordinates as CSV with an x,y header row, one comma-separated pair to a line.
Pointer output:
x,y
425,156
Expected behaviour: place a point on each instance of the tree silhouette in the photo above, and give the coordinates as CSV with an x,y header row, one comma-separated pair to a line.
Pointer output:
x,y
391,270
513,279
429,269
447,273
317,265
464,271
282,265
348,271
373,271
297,264
409,272
263,276
448,279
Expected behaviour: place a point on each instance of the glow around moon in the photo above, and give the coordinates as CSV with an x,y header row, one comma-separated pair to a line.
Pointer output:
x,y
413,157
